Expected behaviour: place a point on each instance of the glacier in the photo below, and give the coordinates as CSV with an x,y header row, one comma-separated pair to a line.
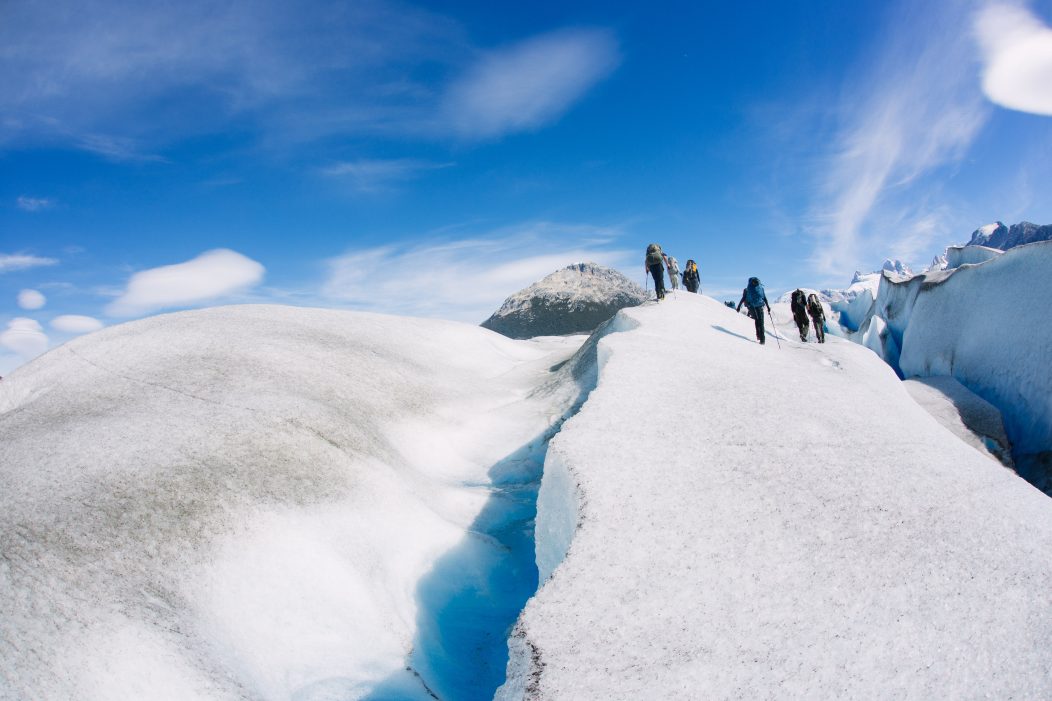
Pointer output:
x,y
975,322
790,523
275,503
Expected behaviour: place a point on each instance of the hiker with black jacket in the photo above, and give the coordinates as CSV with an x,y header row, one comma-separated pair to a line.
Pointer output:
x,y
798,304
818,316
691,279
657,269
755,299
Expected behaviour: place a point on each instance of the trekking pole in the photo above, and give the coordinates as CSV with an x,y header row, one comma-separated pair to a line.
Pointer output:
x,y
775,327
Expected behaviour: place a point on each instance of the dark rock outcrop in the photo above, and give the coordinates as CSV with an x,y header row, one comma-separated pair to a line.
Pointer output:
x,y
576,299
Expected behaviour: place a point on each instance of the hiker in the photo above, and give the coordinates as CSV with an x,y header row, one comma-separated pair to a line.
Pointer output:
x,y
691,279
657,269
818,316
755,299
672,265
798,304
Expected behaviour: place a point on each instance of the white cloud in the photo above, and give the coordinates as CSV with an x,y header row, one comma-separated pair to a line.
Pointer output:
x,y
25,337
466,279
371,176
19,261
74,323
31,299
34,204
530,84
209,276
1017,53
125,79
914,111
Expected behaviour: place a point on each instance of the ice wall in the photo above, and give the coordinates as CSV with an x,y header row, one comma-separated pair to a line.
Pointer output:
x,y
855,304
956,256
983,325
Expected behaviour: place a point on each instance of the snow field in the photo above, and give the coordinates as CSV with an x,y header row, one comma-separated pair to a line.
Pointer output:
x,y
270,503
753,523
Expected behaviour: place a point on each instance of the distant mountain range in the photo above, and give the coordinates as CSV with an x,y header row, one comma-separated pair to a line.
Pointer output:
x,y
997,235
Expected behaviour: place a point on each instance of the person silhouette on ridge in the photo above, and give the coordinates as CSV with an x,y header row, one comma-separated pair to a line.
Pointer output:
x,y
755,299
654,264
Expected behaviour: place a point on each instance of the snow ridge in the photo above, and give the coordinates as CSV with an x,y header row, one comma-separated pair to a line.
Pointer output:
x,y
574,300
791,549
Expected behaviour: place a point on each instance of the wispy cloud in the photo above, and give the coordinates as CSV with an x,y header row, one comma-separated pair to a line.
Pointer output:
x,y
1017,56
19,261
208,277
465,279
374,175
530,84
124,79
34,204
912,111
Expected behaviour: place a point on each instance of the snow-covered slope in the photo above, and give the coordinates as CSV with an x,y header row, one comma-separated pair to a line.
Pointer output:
x,y
781,523
270,503
573,300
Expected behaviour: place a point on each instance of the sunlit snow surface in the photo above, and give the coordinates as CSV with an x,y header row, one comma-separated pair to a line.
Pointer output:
x,y
270,503
747,521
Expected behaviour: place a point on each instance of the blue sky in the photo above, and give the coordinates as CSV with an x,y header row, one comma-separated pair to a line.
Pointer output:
x,y
432,159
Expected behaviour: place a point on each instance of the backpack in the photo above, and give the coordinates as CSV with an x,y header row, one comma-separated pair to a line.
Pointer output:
x,y
814,306
754,294
799,302
654,254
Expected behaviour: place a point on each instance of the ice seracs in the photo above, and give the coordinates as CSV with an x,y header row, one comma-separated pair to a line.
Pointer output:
x,y
573,300
972,322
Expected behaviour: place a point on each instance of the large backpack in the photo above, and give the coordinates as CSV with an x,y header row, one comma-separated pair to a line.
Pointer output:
x,y
814,306
754,294
654,254
799,303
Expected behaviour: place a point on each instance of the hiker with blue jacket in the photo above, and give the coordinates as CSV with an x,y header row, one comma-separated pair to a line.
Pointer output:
x,y
755,299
